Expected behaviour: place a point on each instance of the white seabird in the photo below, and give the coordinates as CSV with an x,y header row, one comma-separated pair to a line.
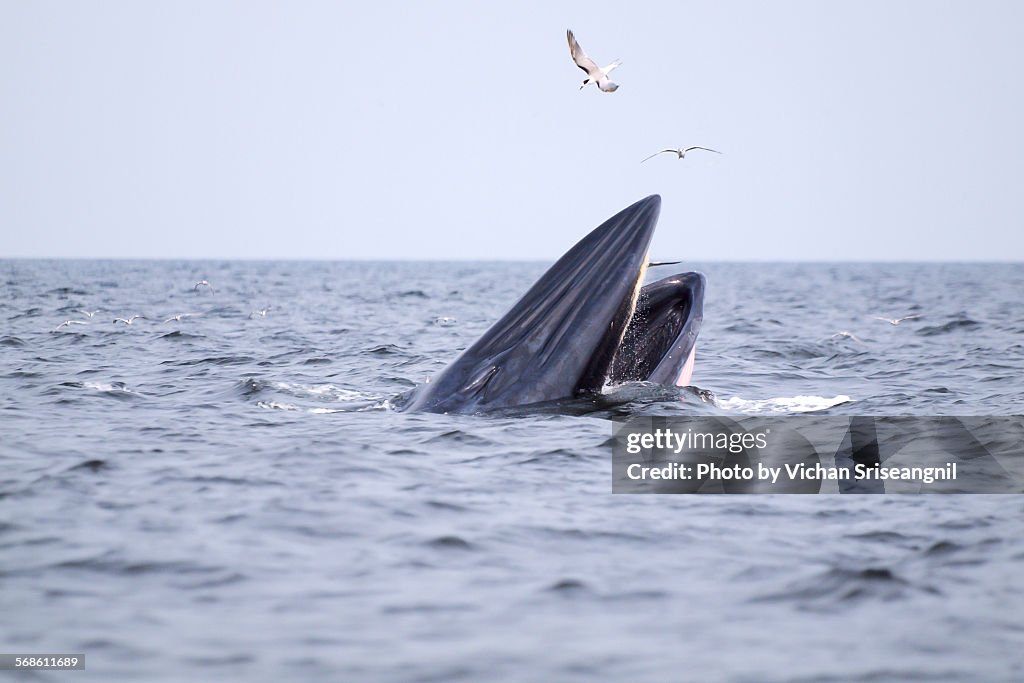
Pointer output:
x,y
69,323
681,151
595,74
847,334
129,320
178,317
203,283
896,321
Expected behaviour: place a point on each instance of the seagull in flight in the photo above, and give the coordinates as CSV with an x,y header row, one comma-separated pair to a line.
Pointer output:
x,y
896,321
595,74
177,318
129,320
203,283
681,152
849,335
90,314
69,323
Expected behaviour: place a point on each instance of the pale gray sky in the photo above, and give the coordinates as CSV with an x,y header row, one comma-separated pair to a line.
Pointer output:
x,y
435,130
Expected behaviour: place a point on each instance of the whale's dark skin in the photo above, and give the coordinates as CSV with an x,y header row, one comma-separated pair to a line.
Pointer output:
x,y
587,322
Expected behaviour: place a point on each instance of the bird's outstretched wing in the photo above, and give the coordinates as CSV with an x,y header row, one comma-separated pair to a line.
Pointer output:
x,y
706,149
674,151
580,57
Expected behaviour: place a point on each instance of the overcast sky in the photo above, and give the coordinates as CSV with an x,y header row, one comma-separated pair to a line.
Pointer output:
x,y
456,130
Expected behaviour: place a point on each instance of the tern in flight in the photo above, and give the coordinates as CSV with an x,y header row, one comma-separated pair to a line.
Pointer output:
x,y
90,314
681,152
177,318
69,323
129,320
896,321
848,335
595,74
203,283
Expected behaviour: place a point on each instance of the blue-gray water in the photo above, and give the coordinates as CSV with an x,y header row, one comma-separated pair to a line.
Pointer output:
x,y
232,498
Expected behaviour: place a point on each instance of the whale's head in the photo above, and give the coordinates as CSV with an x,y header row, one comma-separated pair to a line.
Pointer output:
x,y
587,322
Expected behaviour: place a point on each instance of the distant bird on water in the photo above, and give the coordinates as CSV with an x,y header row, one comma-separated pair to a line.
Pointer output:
x,y
896,321
681,152
262,313
203,283
595,74
129,320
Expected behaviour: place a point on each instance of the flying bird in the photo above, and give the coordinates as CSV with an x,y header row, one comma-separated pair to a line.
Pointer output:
x,y
129,320
69,323
896,321
681,152
203,283
177,318
262,313
595,74
90,314
848,335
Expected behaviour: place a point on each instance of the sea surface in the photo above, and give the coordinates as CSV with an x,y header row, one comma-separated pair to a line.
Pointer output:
x,y
232,495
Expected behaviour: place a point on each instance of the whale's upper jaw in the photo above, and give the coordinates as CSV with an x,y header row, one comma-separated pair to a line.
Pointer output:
x,y
561,338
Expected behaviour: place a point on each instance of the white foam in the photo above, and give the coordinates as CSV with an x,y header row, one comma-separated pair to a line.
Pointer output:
x,y
105,386
782,405
320,390
274,405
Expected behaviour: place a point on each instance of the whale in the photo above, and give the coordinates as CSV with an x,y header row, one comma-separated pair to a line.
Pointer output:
x,y
588,323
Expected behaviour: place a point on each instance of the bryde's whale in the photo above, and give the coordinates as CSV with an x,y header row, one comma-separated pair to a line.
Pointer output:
x,y
587,322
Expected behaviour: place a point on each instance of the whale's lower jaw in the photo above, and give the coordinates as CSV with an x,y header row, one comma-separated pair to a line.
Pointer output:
x,y
586,322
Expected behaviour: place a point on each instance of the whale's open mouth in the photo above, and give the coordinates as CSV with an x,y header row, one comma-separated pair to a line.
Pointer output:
x,y
587,322
661,340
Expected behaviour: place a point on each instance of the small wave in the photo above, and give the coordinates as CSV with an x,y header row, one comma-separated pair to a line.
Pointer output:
x,y
842,585
212,360
94,465
12,341
953,325
782,405
178,335
385,350
568,585
450,543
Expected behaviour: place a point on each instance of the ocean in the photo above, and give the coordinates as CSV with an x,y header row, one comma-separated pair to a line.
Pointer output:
x,y
233,496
